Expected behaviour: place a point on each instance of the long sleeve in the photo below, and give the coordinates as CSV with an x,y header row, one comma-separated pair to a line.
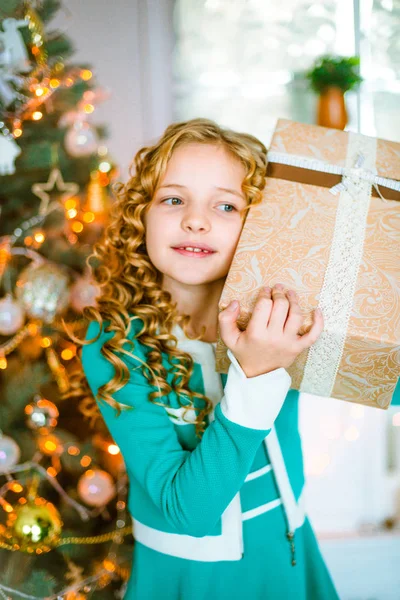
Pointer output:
x,y
190,488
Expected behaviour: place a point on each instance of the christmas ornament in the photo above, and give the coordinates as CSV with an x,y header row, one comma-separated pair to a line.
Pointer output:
x,y
9,151
96,201
7,92
83,293
42,415
9,453
34,526
55,179
43,290
81,139
11,315
14,49
96,487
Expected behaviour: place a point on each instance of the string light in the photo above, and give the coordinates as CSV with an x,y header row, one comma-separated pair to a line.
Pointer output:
x,y
86,74
70,203
45,342
54,83
72,238
88,108
67,354
77,226
33,329
37,115
104,167
3,362
39,237
88,217
113,449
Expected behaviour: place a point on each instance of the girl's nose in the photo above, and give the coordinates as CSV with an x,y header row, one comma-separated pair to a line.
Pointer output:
x,y
195,222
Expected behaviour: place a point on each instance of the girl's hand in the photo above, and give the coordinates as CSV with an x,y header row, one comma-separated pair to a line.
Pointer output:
x,y
271,339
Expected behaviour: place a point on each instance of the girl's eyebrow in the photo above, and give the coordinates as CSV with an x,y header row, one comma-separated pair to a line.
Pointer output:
x,y
222,189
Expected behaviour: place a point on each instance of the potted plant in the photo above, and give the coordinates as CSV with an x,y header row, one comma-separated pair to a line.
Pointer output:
x,y
331,77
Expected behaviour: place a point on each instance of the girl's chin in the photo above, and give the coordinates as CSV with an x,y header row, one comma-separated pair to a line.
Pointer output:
x,y
193,278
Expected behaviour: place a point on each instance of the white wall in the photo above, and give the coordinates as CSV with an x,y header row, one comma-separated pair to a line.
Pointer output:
x,y
113,37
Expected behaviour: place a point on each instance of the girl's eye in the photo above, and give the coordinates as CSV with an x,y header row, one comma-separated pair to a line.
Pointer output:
x,y
172,198
230,206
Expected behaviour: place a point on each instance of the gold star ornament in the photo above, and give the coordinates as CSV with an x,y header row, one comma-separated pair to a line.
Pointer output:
x,y
65,190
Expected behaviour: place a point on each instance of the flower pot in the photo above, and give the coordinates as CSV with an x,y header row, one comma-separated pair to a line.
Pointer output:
x,y
332,109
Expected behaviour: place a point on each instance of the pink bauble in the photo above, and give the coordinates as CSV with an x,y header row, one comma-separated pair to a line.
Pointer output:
x,y
83,293
96,487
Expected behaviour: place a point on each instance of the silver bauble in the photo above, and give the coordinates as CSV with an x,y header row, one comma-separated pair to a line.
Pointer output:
x,y
43,290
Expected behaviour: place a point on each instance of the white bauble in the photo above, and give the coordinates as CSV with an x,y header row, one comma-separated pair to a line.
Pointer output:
x,y
11,315
9,453
96,487
81,139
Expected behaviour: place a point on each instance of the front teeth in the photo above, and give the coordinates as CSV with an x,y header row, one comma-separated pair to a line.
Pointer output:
x,y
196,250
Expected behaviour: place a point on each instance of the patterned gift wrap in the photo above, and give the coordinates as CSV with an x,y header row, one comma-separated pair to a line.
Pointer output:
x,y
329,228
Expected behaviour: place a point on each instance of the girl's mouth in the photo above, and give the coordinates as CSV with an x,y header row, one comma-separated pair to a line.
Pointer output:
x,y
194,252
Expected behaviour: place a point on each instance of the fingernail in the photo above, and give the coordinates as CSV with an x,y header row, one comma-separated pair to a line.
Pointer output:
x,y
233,305
279,286
267,289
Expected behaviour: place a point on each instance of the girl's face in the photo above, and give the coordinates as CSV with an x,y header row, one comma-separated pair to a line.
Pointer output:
x,y
197,203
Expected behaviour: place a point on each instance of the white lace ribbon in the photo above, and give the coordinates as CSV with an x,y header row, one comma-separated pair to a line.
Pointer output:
x,y
338,290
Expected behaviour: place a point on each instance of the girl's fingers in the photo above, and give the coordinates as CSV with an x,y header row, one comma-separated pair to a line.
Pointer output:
x,y
279,311
261,313
308,339
227,324
295,317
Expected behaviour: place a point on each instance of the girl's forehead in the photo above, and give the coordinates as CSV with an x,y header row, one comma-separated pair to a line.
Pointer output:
x,y
208,158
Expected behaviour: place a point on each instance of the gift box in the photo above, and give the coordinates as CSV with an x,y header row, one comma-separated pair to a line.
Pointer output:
x,y
329,228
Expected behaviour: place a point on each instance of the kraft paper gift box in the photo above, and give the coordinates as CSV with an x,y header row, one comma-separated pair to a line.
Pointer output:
x,y
329,228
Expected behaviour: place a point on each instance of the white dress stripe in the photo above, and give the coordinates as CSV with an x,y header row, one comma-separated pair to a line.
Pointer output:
x,y
254,512
258,473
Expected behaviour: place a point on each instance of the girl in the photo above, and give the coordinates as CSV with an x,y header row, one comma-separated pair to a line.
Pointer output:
x,y
214,461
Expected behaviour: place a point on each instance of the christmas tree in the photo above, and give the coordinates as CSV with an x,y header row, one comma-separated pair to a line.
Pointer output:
x,y
64,531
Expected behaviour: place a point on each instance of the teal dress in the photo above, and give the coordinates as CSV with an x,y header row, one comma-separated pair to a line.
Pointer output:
x,y
211,517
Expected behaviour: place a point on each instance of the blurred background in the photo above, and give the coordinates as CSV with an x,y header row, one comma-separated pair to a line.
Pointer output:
x,y
243,63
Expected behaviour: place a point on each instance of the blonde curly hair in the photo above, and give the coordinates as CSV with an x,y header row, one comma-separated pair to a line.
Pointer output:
x,y
130,285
